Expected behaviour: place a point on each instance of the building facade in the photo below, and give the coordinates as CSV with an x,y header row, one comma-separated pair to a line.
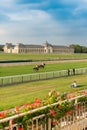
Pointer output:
x,y
46,48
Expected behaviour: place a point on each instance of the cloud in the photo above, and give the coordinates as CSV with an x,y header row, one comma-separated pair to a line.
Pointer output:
x,y
35,21
36,30
7,3
77,5
74,1
29,15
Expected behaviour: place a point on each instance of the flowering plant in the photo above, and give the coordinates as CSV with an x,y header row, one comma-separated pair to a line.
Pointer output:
x,y
55,111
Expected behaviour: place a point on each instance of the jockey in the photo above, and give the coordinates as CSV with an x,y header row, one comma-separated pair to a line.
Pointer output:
x,y
36,66
42,64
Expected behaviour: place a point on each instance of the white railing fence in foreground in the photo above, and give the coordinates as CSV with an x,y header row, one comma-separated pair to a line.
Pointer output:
x,y
43,119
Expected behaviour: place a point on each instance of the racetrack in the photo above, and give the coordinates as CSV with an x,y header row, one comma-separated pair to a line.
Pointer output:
x,y
39,62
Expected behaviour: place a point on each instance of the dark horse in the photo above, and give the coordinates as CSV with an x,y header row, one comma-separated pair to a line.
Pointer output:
x,y
36,68
42,65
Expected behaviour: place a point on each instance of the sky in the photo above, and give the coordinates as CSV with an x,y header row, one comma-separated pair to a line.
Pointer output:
x,y
60,22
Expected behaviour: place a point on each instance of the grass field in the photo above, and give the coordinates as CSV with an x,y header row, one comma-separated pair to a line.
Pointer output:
x,y
6,56
11,96
28,69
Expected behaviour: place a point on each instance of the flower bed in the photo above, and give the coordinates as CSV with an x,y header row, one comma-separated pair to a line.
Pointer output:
x,y
54,106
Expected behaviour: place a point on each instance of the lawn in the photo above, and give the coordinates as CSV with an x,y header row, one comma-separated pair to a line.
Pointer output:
x,y
7,56
11,96
28,69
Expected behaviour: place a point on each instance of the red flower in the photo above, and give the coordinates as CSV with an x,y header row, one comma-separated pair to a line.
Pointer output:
x,y
54,122
59,106
37,100
71,111
17,108
34,105
79,107
67,113
52,112
20,128
2,114
29,105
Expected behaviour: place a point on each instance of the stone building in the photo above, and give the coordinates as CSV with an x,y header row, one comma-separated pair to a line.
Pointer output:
x,y
45,48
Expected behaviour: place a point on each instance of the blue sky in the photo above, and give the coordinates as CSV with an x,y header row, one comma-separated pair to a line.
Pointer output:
x,y
60,22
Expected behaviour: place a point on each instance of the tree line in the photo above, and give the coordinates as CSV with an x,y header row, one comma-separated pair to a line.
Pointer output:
x,y
1,47
79,49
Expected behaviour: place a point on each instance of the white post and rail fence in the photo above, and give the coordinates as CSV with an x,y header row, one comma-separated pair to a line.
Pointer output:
x,y
9,80
69,114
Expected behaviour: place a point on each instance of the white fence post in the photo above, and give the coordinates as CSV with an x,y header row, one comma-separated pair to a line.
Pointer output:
x,y
11,125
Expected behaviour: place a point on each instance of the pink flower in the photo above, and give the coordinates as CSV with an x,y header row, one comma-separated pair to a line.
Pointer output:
x,y
69,95
25,106
84,92
36,104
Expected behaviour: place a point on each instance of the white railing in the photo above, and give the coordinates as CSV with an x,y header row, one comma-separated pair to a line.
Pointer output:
x,y
41,118
9,80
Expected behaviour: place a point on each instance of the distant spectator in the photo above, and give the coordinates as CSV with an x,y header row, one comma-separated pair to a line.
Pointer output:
x,y
68,72
73,71
74,84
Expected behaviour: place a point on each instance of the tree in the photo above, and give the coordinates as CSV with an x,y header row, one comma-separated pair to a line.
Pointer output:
x,y
78,48
1,47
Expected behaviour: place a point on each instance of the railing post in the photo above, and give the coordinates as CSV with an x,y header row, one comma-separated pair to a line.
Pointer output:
x,y
53,74
46,126
39,76
75,101
22,79
2,81
49,124
46,75
11,80
10,124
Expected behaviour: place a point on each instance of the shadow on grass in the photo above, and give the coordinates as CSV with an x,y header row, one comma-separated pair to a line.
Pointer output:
x,y
82,85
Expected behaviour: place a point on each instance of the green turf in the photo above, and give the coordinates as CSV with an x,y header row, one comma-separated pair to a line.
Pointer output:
x,y
7,56
28,69
11,96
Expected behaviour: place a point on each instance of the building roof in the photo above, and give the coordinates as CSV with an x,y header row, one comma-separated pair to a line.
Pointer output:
x,y
59,46
20,45
9,45
29,46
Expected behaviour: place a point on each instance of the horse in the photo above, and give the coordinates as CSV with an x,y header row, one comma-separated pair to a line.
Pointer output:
x,y
36,68
42,65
